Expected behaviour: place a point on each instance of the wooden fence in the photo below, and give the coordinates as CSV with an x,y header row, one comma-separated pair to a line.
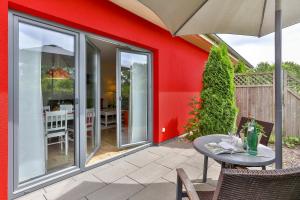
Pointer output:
x,y
255,98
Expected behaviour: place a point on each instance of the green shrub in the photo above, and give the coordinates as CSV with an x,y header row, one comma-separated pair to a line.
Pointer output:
x,y
263,67
240,67
272,139
291,141
290,67
216,111
288,141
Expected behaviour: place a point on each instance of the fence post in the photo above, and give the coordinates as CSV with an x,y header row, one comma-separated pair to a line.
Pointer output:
x,y
273,84
285,94
285,86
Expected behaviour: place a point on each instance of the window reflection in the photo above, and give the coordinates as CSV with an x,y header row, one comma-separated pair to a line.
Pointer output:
x,y
134,104
46,101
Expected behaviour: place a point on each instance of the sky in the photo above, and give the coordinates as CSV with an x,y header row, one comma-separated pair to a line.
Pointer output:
x,y
33,36
256,50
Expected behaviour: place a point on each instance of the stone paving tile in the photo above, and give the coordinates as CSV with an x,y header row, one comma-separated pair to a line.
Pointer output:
x,y
197,160
178,145
36,195
158,190
171,160
149,173
115,172
160,150
191,171
100,168
141,158
188,152
213,171
84,184
59,186
121,189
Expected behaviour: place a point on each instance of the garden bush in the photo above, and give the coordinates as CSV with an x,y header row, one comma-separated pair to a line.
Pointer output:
x,y
240,67
215,111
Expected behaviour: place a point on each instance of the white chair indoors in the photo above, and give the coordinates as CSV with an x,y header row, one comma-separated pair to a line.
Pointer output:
x,y
90,120
67,107
70,116
56,127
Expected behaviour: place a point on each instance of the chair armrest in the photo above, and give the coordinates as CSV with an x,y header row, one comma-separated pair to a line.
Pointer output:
x,y
182,179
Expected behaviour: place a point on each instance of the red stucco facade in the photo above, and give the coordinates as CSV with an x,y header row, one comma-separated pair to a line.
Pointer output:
x,y
177,65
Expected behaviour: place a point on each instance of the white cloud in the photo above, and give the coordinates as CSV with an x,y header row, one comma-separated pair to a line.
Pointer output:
x,y
257,50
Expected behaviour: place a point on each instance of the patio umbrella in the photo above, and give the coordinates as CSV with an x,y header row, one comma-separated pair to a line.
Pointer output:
x,y
243,17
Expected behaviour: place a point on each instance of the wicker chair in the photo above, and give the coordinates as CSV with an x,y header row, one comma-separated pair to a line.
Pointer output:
x,y
237,184
268,127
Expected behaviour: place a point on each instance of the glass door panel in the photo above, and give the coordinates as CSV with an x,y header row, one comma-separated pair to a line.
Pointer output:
x,y
92,100
45,92
132,98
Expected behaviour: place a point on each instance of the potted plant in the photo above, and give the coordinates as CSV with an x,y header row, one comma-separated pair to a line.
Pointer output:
x,y
251,135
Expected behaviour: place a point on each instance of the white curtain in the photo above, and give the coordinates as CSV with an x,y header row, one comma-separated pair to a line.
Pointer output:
x,y
31,150
138,103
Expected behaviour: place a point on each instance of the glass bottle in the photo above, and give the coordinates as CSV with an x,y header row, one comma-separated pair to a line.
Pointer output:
x,y
252,138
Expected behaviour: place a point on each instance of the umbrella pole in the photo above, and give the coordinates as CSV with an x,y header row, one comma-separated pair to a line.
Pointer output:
x,y
278,86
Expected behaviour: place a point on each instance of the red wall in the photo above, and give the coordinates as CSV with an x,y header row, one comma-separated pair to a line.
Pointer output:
x,y
178,65
3,99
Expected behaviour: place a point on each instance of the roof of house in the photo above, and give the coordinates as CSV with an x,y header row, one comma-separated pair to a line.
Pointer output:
x,y
204,42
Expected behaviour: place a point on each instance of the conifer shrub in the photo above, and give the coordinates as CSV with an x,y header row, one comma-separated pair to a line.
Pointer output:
x,y
240,67
215,111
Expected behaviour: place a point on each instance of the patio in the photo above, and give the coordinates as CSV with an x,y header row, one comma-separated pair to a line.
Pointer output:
x,y
147,174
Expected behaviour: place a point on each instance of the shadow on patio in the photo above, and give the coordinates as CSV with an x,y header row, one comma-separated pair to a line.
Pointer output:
x,y
147,174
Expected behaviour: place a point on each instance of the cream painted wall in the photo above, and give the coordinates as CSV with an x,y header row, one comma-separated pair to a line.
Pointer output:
x,y
108,82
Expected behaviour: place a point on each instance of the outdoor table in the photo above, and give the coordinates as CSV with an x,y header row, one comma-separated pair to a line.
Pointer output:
x,y
266,156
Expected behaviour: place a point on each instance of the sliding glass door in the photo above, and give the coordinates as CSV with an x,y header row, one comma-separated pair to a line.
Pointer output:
x,y
92,100
50,139
132,97
45,109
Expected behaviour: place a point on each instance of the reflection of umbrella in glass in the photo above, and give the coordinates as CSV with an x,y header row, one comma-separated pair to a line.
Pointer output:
x,y
52,49
56,57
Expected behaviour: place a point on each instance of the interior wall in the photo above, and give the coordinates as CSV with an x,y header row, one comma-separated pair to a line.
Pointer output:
x,y
108,82
107,71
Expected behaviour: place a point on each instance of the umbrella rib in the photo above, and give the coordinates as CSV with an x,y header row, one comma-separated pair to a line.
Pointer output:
x,y
188,19
262,18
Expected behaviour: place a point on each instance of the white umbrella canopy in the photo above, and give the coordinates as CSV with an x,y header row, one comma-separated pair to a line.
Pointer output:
x,y
243,17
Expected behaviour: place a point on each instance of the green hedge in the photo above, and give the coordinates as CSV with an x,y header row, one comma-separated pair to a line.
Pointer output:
x,y
216,111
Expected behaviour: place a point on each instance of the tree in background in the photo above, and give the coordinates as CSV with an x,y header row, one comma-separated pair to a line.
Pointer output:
x,y
290,67
240,67
263,67
215,111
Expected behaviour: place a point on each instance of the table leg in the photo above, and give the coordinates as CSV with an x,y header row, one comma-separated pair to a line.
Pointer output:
x,y
205,166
